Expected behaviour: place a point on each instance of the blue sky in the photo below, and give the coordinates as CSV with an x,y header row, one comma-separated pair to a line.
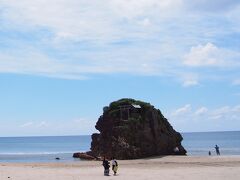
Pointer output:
x,y
61,61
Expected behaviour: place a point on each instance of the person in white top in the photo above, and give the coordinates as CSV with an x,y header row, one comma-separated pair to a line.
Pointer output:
x,y
114,166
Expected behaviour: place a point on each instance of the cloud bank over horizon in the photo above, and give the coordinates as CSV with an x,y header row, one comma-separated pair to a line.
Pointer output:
x,y
220,119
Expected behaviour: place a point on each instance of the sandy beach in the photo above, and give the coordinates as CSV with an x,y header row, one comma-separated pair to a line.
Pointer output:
x,y
170,167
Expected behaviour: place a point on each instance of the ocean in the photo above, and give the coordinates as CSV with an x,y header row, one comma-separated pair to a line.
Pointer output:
x,y
47,149
42,149
200,143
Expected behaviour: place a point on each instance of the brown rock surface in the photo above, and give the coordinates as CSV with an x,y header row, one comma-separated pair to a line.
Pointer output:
x,y
131,129
83,156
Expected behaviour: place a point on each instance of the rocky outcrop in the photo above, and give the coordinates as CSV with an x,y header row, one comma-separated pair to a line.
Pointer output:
x,y
85,156
131,129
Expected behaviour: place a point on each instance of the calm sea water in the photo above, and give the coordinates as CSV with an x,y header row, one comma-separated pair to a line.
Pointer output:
x,y
202,142
46,149
42,149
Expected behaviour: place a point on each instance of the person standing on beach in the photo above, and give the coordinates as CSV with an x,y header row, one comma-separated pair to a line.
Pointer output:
x,y
114,166
217,150
106,166
209,153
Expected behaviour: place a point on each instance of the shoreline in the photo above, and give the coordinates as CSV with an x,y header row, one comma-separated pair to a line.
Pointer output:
x,y
167,158
72,160
170,167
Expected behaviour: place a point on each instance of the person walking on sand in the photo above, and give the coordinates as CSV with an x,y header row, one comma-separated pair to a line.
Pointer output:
x,y
217,150
106,166
114,166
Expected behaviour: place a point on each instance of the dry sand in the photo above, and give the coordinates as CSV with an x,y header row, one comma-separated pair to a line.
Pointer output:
x,y
162,168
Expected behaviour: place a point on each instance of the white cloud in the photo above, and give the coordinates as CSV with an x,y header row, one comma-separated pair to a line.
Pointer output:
x,y
82,126
203,56
216,117
42,124
211,55
224,113
189,79
39,64
136,8
31,61
67,19
34,124
222,110
189,83
183,110
112,36
201,111
28,124
205,119
92,20
76,126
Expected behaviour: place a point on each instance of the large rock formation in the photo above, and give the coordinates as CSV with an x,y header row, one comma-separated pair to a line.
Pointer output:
x,y
85,156
131,129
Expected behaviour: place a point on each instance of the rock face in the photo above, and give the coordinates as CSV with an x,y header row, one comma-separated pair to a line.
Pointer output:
x,y
131,129
84,156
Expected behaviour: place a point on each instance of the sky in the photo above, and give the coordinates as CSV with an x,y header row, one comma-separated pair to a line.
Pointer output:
x,y
62,61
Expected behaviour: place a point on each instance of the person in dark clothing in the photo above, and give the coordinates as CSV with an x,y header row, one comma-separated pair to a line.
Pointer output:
x,y
106,166
217,150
